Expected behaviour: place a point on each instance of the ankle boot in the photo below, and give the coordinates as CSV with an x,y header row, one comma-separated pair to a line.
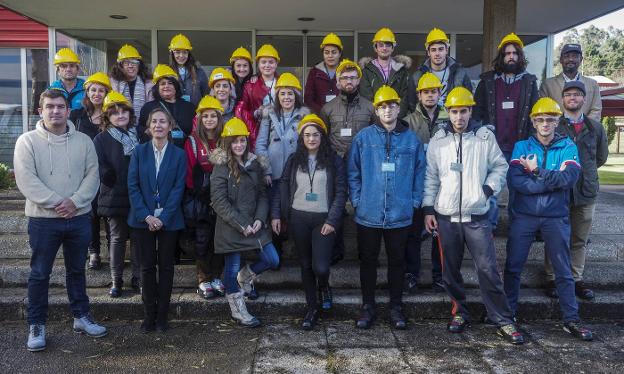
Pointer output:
x,y
116,288
239,310
246,279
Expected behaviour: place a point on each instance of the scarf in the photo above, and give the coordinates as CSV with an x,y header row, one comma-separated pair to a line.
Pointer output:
x,y
128,139
139,95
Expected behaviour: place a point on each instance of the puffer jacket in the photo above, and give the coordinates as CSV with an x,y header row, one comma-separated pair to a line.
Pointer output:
x,y
318,87
423,126
253,94
75,96
372,79
461,195
385,198
546,194
194,90
341,114
239,204
457,76
113,200
278,140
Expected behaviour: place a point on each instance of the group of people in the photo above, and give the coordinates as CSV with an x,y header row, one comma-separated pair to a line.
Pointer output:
x,y
243,159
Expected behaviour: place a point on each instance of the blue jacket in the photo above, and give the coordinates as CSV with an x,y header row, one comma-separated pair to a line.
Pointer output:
x,y
546,194
75,96
386,199
142,186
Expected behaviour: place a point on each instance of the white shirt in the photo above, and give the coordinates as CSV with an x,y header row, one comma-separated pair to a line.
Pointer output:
x,y
158,156
576,78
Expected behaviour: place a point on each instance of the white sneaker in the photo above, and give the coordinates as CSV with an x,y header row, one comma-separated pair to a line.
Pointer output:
x,y
218,287
86,325
36,338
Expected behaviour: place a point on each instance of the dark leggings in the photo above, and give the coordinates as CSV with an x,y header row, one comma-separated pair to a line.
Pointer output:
x,y
314,251
209,265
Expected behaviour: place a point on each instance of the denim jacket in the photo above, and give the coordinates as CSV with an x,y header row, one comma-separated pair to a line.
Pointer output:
x,y
382,197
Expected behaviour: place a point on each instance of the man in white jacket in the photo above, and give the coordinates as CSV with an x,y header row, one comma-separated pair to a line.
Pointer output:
x,y
56,169
465,167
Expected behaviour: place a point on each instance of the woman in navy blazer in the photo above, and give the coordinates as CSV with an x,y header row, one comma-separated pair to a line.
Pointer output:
x,y
155,186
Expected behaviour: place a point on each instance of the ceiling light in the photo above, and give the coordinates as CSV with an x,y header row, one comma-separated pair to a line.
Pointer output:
x,y
118,16
305,19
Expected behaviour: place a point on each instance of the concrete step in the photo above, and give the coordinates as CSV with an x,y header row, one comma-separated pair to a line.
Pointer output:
x,y
14,273
187,305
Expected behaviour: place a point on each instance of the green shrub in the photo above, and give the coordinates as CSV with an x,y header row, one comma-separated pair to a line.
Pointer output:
x,y
7,180
609,125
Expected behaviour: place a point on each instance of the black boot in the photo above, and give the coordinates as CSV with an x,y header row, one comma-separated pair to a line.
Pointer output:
x,y
325,297
116,288
367,317
310,319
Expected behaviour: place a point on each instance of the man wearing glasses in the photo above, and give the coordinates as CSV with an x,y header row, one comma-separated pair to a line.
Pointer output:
x,y
67,68
543,170
570,59
385,171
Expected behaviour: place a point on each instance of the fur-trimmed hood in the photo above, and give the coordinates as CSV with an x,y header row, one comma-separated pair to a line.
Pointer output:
x,y
397,62
220,157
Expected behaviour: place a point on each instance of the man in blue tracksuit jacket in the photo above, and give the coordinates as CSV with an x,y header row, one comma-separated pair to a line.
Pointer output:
x,y
543,170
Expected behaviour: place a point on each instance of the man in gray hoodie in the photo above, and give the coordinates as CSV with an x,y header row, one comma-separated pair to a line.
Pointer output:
x,y
56,169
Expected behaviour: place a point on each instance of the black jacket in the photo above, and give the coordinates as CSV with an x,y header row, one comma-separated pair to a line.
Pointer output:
x,y
336,191
485,97
113,200
182,111
80,119
593,151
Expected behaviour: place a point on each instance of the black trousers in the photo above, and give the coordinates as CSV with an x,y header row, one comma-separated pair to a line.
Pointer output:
x,y
314,251
209,265
369,245
156,253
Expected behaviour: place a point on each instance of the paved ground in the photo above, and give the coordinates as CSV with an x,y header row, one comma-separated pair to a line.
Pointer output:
x,y
334,347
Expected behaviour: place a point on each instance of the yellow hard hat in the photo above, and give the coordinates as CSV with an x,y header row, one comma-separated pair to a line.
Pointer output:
x,y
546,105
162,71
346,63
436,35
511,38
235,127
384,35
385,94
459,96
267,50
241,52
66,55
179,42
311,118
209,102
114,98
331,39
100,78
287,80
219,74
428,81
127,51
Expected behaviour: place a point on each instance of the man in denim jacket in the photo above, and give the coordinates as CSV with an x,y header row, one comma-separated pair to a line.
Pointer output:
x,y
386,169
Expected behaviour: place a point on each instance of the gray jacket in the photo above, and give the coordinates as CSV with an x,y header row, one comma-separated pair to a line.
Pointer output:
x,y
553,88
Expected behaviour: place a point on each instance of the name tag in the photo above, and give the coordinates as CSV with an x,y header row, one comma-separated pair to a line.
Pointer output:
x,y
158,212
508,104
311,196
345,132
456,166
387,166
177,134
329,98
186,97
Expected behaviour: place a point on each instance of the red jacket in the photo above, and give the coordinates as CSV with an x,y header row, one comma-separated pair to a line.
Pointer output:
x,y
253,94
202,157
318,86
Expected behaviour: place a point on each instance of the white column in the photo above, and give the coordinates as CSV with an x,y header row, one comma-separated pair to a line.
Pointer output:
x,y
154,40
51,53
550,48
24,84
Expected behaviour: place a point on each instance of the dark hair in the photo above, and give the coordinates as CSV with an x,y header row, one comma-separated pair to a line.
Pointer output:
x,y
86,102
201,131
52,93
118,74
240,82
176,84
499,62
278,107
106,123
232,164
189,65
323,157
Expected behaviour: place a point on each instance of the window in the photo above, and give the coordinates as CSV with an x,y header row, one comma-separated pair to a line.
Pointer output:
x,y
10,102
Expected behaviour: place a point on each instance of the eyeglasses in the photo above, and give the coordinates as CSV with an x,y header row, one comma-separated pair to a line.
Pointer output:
x,y
547,120
390,106
130,63
349,78
573,94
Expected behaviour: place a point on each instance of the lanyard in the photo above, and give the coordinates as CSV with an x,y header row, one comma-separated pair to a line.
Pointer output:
x,y
311,177
383,73
173,115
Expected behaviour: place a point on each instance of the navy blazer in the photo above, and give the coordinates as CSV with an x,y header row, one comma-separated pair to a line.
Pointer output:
x,y
142,186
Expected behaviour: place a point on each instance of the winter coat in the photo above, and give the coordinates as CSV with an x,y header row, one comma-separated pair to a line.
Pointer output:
x,y
318,87
277,141
75,96
372,79
553,88
385,198
546,194
253,95
113,200
336,191
182,111
341,114
239,204
195,90
461,195
423,126
142,184
593,151
83,123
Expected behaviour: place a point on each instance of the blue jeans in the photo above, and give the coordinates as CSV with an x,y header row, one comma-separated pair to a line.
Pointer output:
x,y
493,212
46,235
268,260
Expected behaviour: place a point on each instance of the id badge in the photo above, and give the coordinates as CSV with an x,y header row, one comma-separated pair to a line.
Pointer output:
x,y
387,166
158,212
345,132
177,134
311,196
329,98
186,97
508,104
456,166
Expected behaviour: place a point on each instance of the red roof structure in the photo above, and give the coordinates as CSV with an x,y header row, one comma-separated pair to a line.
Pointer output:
x,y
18,31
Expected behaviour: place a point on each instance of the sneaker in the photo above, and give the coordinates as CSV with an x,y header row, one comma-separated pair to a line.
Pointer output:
x,y
205,290
310,319
551,290
36,338
95,263
438,286
511,334
397,318
148,326
410,283
326,297
457,325
218,287
583,292
86,325
366,318
578,331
